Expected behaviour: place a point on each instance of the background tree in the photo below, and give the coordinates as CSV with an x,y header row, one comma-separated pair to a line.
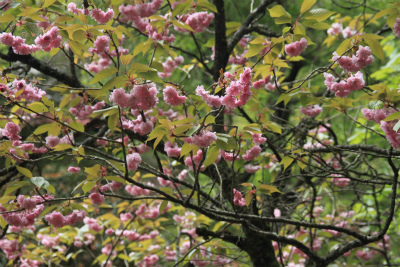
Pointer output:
x,y
199,133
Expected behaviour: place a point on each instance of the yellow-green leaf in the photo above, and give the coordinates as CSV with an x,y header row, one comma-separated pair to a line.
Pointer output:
x,y
318,14
286,161
7,18
306,5
376,48
103,74
212,155
268,189
24,171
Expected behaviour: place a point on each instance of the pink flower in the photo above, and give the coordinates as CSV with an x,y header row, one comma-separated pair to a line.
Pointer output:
x,y
296,48
336,28
74,169
26,203
126,216
96,198
211,100
11,131
252,168
100,16
52,141
258,139
238,198
341,182
172,150
49,40
277,213
57,220
377,115
311,110
196,161
93,224
109,231
202,140
198,21
133,161
172,98
252,153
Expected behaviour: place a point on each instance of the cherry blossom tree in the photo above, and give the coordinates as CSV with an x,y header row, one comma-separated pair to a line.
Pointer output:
x,y
199,133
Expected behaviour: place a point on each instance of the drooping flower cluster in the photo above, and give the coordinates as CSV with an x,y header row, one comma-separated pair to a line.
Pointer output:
x,y
391,135
44,24
23,218
142,97
169,66
49,40
57,220
137,12
11,131
340,181
238,198
196,161
11,248
49,241
172,150
137,191
100,16
172,98
344,87
72,8
252,153
93,224
311,110
96,198
18,44
198,21
133,161
237,94
82,111
262,82
296,48
202,140
29,93
336,29
356,62
258,139
377,115
252,168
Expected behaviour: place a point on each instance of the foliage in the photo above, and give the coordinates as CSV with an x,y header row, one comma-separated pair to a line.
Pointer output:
x,y
199,133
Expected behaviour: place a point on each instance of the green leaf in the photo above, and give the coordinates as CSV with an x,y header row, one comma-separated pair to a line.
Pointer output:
x,y
186,148
278,11
286,161
15,186
181,8
226,142
7,18
163,206
62,147
24,171
306,5
43,128
181,25
193,130
319,14
38,181
38,107
393,116
77,126
48,210
212,155
140,67
151,75
268,189
112,121
115,178
248,198
88,186
207,5
48,3
376,48
103,74
314,24
343,47
396,127
183,121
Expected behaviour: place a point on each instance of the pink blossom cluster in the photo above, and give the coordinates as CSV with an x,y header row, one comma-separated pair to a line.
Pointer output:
x,y
22,218
88,239
11,248
72,169
137,12
93,224
198,21
258,139
148,261
348,32
340,181
172,98
133,160
142,148
296,48
11,131
28,203
344,87
172,149
18,44
29,263
72,8
377,115
170,114
240,88
29,93
356,62
49,241
100,16
96,198
43,24
153,34
57,220
139,125
229,156
238,59
169,66
101,45
52,141
238,198
365,255
311,110
142,97
151,212
336,28
49,40
97,66
391,135
252,153
82,111
113,186
170,254
126,216
262,82
396,27
271,86
196,161
202,140
252,168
